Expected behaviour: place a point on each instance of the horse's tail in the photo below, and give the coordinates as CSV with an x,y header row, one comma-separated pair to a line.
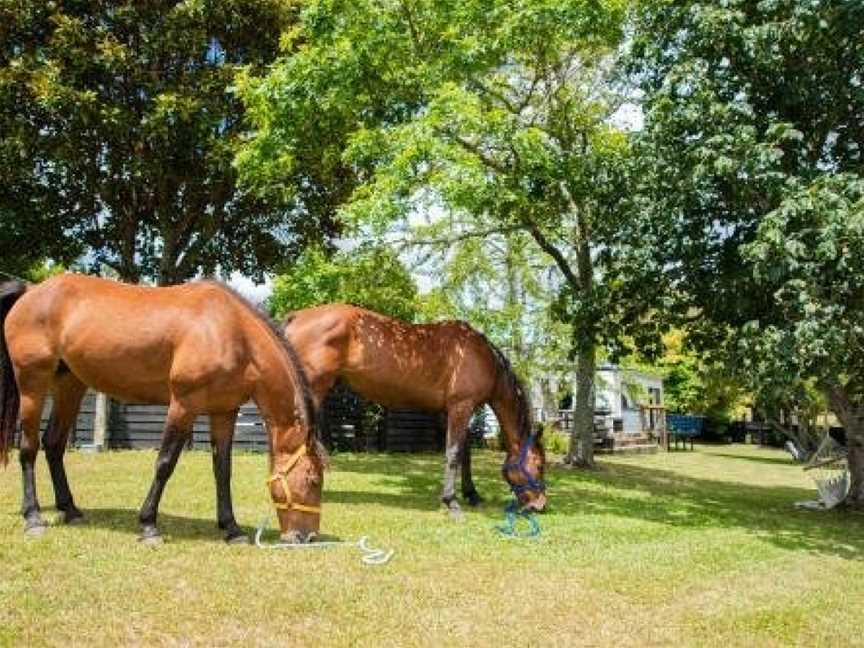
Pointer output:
x,y
10,398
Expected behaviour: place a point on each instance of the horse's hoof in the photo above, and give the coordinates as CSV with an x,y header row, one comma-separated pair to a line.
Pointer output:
x,y
474,499
238,539
74,518
151,540
34,530
455,512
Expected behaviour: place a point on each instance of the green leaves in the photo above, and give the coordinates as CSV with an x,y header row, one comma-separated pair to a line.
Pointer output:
x,y
370,277
753,129
122,114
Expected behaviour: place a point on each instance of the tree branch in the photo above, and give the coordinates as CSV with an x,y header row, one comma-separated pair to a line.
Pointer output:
x,y
450,240
551,250
490,162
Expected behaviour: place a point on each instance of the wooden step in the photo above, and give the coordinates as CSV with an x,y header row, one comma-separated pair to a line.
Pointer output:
x,y
638,448
633,439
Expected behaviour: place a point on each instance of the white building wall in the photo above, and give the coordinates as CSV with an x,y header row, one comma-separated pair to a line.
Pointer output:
x,y
610,385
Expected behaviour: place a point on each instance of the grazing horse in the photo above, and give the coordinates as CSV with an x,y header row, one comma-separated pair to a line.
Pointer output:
x,y
445,367
198,348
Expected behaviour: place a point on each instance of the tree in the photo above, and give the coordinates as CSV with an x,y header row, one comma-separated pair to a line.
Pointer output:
x,y
118,136
754,132
809,255
495,112
371,277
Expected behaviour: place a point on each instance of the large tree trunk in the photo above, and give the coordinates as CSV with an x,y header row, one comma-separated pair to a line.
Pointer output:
x,y
852,418
856,469
582,435
550,399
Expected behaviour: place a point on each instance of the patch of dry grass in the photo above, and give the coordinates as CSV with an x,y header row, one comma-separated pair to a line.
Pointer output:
x,y
698,548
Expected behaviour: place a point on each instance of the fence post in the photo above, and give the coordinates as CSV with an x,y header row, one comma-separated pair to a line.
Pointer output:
x,y
100,422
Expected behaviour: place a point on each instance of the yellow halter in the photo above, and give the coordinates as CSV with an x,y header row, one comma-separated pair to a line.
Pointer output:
x,y
282,476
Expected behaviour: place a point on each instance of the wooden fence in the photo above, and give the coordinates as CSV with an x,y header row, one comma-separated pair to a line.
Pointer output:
x,y
348,424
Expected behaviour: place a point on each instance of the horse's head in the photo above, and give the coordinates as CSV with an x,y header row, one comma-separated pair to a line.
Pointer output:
x,y
523,470
296,487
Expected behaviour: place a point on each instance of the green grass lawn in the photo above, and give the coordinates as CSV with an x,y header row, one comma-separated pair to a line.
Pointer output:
x,y
700,548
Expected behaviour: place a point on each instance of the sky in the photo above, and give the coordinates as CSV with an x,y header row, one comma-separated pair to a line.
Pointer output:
x,y
247,288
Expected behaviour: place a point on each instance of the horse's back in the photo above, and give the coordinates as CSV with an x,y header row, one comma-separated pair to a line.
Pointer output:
x,y
129,341
390,361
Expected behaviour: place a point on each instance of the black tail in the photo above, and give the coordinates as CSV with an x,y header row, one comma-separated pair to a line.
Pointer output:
x,y
10,399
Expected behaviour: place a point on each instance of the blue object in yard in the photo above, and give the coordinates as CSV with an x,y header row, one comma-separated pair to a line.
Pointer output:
x,y
682,427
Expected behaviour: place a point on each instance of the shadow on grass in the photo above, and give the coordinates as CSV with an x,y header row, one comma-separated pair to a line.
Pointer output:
x,y
774,461
622,490
619,490
688,502
175,527
417,481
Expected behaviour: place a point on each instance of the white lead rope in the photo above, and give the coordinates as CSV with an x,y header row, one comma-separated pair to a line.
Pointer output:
x,y
371,556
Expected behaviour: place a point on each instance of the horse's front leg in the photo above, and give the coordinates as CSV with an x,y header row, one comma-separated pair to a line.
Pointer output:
x,y
178,427
221,437
457,421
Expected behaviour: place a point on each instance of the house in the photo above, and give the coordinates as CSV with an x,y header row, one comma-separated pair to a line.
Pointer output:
x,y
627,401
632,398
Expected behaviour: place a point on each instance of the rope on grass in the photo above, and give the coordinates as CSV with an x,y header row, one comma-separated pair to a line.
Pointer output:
x,y
371,556
509,529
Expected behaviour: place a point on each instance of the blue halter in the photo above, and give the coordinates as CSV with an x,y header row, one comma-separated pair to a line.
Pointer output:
x,y
530,483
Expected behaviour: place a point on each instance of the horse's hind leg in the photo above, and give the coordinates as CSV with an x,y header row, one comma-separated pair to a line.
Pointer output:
x,y
178,426
469,490
34,385
68,392
457,431
221,437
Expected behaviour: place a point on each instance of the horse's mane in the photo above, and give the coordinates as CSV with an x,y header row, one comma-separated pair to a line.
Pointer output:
x,y
308,404
506,373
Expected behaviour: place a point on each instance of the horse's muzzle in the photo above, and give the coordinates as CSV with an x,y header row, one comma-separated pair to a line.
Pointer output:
x,y
296,536
537,504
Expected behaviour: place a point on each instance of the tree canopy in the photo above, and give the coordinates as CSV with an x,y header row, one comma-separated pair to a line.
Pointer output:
x,y
497,114
369,276
755,142
118,136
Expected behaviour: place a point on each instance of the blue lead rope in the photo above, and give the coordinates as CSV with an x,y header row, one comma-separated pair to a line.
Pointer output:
x,y
510,530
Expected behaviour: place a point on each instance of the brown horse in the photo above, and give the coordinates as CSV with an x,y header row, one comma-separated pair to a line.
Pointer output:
x,y
445,367
198,348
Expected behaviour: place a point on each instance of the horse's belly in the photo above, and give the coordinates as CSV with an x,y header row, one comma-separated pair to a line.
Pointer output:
x,y
115,360
406,393
127,381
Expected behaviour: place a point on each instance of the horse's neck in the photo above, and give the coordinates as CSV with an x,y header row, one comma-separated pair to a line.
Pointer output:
x,y
505,404
278,391
281,406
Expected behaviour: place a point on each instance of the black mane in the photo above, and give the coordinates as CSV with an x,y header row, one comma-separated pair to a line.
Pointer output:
x,y
506,372
309,413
